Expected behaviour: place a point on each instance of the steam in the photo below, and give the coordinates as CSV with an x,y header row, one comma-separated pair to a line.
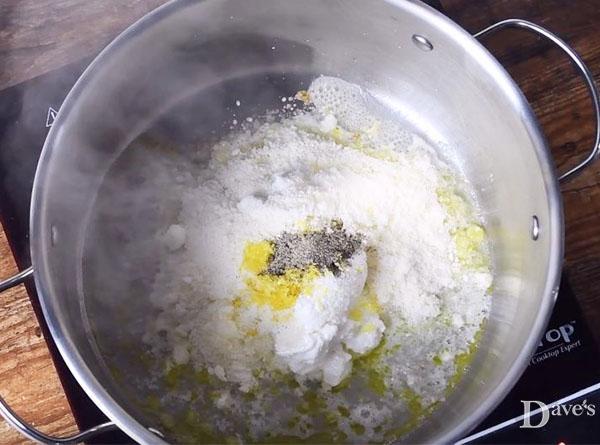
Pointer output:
x,y
133,135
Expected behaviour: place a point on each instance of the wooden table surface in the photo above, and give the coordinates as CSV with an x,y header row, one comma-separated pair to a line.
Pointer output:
x,y
37,36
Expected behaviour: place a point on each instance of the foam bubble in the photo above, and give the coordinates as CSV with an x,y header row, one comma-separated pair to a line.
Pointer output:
x,y
346,101
358,112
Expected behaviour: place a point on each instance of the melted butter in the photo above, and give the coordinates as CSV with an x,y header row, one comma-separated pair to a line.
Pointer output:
x,y
416,411
312,404
358,142
463,360
469,242
372,367
452,202
367,304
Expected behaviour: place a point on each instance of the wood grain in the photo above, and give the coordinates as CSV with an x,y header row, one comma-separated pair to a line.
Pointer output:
x,y
28,380
37,36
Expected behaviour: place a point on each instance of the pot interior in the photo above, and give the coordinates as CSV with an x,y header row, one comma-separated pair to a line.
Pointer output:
x,y
165,91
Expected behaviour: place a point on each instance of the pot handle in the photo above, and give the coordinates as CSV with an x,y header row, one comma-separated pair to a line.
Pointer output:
x,y
578,62
19,424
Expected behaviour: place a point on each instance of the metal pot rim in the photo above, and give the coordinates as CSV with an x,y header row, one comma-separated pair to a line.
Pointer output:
x,y
40,240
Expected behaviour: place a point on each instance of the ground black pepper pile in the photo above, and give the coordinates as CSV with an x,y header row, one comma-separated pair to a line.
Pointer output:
x,y
329,248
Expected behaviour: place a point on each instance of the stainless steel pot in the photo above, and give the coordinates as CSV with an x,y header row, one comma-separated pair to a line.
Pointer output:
x,y
416,61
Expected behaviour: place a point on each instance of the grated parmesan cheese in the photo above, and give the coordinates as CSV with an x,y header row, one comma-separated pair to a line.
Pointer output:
x,y
424,260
